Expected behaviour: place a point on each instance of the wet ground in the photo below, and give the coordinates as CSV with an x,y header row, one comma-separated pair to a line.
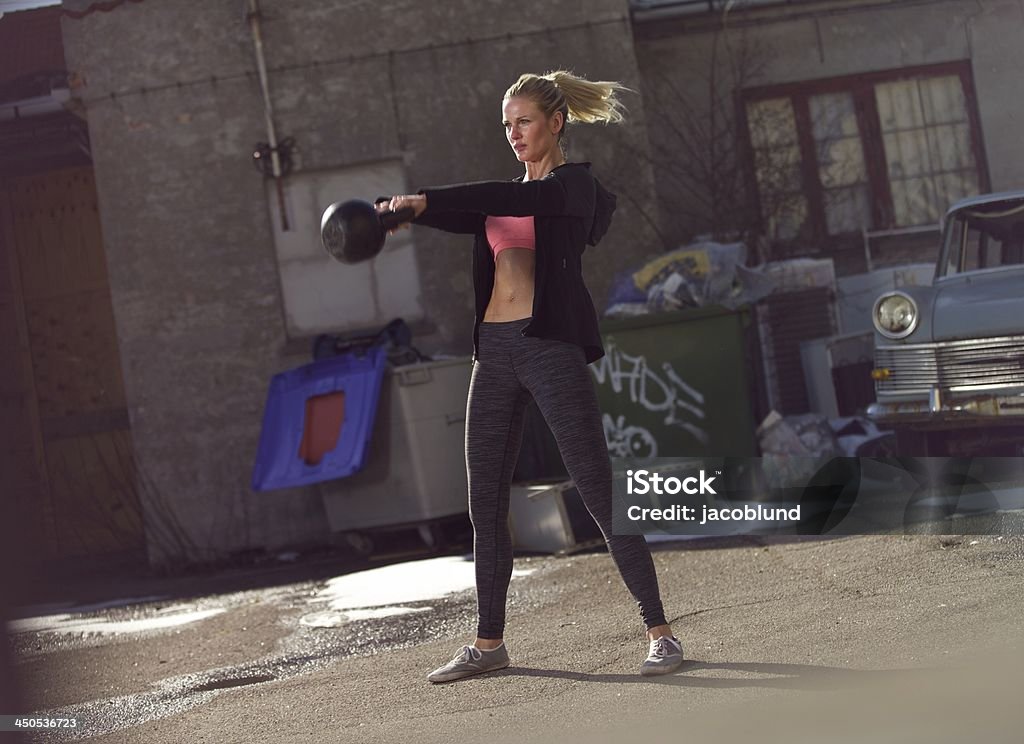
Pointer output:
x,y
120,662
343,657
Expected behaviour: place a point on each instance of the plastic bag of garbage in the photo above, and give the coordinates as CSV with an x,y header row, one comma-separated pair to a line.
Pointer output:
x,y
749,286
793,448
729,282
627,310
704,273
689,261
696,275
858,436
625,299
624,289
675,291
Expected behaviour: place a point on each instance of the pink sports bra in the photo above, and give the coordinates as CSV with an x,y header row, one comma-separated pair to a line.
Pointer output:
x,y
510,232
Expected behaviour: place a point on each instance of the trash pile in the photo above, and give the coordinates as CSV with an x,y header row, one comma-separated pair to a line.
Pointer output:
x,y
700,274
861,437
793,448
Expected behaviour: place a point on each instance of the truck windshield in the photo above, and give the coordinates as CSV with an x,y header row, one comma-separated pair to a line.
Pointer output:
x,y
989,236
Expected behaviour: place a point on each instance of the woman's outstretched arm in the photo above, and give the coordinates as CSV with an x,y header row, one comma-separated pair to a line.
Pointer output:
x,y
466,223
548,196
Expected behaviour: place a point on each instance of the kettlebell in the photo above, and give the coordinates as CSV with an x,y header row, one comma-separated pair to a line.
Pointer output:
x,y
353,231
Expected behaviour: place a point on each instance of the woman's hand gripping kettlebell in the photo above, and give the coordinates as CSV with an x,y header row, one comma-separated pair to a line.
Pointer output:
x,y
418,202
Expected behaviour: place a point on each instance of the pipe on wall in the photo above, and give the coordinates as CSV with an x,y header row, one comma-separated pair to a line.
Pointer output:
x,y
253,16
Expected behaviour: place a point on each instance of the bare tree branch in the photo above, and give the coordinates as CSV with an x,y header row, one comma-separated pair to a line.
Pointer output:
x,y
699,158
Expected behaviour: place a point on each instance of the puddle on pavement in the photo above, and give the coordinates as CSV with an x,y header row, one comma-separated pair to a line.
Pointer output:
x,y
415,581
70,608
384,592
66,623
392,607
337,619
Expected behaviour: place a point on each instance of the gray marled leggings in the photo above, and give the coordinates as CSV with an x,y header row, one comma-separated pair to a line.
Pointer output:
x,y
510,368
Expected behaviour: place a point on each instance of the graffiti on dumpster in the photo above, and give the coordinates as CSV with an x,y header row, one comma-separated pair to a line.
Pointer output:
x,y
628,441
667,393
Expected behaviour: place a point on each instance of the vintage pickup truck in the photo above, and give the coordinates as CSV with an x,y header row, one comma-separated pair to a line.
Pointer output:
x,y
949,357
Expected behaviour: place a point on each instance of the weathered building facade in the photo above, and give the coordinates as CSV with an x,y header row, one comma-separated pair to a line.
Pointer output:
x,y
834,128
213,294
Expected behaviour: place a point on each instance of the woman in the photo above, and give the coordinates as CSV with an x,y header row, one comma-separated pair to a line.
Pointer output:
x,y
535,333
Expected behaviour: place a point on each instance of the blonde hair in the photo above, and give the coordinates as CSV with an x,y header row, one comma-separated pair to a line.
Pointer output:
x,y
577,98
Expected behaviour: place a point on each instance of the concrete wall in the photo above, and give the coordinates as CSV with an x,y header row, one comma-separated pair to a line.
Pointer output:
x,y
814,40
174,109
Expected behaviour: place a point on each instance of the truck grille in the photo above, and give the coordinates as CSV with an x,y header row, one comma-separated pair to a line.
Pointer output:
x,y
955,366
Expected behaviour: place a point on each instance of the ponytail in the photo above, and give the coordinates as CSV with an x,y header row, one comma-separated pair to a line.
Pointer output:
x,y
588,101
577,98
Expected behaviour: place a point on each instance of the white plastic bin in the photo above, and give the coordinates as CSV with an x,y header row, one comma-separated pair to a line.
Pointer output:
x,y
416,468
549,517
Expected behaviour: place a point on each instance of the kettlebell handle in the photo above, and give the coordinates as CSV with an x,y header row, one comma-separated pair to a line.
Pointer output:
x,y
390,220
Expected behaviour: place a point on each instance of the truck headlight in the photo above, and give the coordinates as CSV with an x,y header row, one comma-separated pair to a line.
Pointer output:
x,y
895,315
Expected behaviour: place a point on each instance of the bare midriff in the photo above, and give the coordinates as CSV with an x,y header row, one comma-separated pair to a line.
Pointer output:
x,y
512,296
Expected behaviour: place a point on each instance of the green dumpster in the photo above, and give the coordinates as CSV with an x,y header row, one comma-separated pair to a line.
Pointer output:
x,y
678,384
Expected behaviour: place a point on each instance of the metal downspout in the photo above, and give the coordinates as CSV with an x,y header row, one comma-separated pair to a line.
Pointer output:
x,y
253,17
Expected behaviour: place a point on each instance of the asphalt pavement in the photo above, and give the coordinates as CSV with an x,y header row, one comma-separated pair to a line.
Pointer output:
x,y
881,638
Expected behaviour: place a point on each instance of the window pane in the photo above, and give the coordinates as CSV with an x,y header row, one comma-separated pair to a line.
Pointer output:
x,y
773,136
907,153
992,240
841,162
846,209
833,116
942,100
953,146
777,172
787,217
841,168
914,201
898,105
928,149
772,123
950,186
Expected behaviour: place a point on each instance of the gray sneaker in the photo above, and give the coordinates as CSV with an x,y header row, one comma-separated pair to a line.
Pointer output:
x,y
471,660
665,656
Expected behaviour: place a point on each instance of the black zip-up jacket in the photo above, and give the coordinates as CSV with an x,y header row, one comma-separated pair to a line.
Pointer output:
x,y
571,210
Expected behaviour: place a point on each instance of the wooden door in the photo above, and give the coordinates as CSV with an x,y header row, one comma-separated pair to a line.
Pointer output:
x,y
65,442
